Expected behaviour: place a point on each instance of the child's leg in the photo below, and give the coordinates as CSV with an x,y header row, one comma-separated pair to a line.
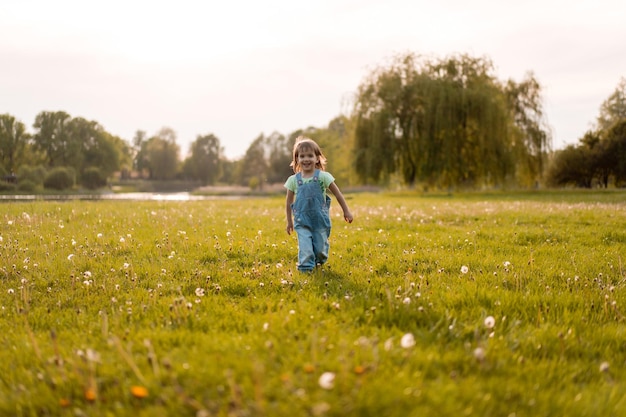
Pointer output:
x,y
321,245
306,256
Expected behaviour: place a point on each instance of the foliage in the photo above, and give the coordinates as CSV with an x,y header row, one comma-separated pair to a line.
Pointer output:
x,y
159,155
570,166
34,174
254,166
448,122
482,304
29,186
52,138
59,178
613,109
13,140
93,178
205,162
600,156
7,186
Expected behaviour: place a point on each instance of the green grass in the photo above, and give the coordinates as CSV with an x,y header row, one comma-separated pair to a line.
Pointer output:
x,y
200,304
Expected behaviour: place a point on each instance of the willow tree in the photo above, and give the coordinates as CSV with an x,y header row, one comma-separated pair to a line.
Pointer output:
x,y
443,122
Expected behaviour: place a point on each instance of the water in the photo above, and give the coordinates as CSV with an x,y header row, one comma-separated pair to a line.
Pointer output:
x,y
182,196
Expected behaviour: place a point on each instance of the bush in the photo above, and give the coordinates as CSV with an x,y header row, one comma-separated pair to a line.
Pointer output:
x,y
93,178
34,174
59,178
6,186
28,186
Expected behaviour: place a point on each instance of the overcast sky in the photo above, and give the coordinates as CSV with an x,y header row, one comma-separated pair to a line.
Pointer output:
x,y
240,68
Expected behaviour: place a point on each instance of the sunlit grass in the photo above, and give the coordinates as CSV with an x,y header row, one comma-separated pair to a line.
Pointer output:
x,y
446,305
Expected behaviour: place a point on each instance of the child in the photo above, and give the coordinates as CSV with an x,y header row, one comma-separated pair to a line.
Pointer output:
x,y
311,219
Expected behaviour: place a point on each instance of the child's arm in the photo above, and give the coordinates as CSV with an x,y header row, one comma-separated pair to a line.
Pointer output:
x,y
342,202
288,203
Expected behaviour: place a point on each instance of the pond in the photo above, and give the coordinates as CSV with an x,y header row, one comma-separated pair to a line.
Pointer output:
x,y
180,196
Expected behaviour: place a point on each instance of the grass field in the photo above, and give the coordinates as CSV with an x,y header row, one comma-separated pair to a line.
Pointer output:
x,y
446,305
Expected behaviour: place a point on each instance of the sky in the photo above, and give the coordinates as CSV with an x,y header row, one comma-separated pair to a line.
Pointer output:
x,y
241,68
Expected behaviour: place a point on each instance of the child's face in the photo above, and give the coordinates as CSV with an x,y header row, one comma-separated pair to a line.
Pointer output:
x,y
307,160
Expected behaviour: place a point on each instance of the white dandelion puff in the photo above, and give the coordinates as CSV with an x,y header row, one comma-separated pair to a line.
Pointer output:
x,y
407,341
464,269
199,292
479,354
490,322
604,367
327,380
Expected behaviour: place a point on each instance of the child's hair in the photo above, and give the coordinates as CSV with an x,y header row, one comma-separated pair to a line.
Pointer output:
x,y
305,144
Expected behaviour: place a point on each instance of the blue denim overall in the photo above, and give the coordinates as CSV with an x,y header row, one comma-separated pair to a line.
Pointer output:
x,y
311,223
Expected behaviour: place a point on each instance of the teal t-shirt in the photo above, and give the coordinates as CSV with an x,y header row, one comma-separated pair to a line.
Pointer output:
x,y
324,179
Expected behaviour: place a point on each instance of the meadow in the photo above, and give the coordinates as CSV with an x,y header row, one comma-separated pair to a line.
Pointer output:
x,y
474,304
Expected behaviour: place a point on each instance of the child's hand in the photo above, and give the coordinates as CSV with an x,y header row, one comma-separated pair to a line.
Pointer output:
x,y
348,216
289,228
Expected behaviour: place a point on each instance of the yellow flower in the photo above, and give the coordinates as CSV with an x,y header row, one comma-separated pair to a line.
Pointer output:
x,y
90,394
139,391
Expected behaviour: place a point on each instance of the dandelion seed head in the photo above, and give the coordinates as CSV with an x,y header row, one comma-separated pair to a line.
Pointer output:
x,y
327,380
490,322
464,269
479,354
407,341
99,235
199,292
10,291
604,367
407,300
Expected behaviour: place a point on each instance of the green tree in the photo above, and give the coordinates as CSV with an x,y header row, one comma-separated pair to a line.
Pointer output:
x,y
613,109
205,160
13,140
571,166
253,168
335,141
530,134
279,150
445,122
615,150
53,139
97,147
161,155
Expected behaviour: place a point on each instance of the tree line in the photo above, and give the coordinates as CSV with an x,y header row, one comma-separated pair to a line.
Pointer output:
x,y
435,122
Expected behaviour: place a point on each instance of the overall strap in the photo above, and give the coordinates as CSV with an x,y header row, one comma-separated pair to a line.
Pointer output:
x,y
299,179
316,175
